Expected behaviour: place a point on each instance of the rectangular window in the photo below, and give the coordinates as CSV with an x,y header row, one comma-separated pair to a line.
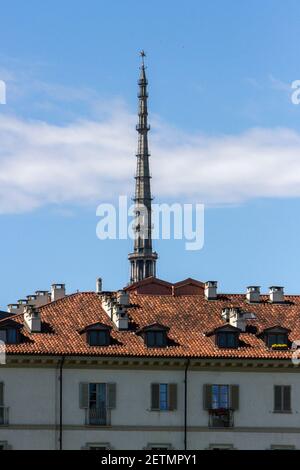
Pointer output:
x,y
97,404
156,339
277,338
98,338
220,396
163,397
282,398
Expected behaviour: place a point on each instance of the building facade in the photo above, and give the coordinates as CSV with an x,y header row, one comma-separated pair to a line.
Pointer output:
x,y
155,365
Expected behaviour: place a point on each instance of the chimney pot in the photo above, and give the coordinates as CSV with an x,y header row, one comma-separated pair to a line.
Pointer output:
x,y
253,294
58,291
276,294
98,285
210,290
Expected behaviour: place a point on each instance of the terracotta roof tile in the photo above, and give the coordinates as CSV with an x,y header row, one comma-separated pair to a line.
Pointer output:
x,y
189,317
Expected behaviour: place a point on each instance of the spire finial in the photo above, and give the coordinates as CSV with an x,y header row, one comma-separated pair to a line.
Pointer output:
x,y
143,55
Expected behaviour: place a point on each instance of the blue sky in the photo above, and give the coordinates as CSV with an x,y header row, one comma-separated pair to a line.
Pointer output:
x,y
224,132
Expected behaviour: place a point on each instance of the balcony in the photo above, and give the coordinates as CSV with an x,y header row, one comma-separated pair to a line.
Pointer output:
x,y
3,416
220,418
97,416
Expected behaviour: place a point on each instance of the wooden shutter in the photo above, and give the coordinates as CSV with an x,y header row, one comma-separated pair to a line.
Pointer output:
x,y
1,393
111,396
83,395
172,396
277,398
154,396
287,398
234,397
207,396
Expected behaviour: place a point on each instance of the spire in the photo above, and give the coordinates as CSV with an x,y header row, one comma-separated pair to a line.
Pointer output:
x,y
143,259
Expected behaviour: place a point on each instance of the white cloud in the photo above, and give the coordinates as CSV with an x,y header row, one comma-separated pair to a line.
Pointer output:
x,y
87,162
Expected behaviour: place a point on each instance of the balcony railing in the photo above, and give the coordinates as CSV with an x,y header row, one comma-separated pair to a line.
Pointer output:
x,y
221,418
3,415
97,416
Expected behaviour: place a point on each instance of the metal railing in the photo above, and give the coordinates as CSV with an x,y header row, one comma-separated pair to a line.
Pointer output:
x,y
3,415
97,416
221,418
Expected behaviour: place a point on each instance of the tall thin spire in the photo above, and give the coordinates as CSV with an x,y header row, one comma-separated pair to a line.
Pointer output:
x,y
143,259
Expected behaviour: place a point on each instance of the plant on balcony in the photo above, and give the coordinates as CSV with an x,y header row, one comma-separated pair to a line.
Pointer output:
x,y
279,346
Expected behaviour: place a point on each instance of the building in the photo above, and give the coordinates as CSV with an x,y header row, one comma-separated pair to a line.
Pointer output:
x,y
154,365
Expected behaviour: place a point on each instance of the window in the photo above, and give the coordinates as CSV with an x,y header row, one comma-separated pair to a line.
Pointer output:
x,y
282,398
3,445
220,401
163,397
98,338
97,399
277,339
227,340
220,396
99,446
158,447
156,339
9,335
282,447
221,447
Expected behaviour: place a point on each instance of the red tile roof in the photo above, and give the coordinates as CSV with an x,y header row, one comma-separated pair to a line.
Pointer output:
x,y
189,317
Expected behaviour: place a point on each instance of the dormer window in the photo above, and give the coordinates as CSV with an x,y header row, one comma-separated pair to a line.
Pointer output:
x,y
156,339
155,335
97,334
98,338
9,331
9,335
276,337
227,339
226,336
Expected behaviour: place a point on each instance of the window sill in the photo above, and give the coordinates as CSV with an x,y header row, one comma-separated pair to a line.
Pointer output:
x,y
286,412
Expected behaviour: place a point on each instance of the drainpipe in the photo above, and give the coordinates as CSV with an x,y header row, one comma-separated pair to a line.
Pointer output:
x,y
61,364
185,402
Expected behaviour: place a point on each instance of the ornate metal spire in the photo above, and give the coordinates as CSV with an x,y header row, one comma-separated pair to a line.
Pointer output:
x,y
143,259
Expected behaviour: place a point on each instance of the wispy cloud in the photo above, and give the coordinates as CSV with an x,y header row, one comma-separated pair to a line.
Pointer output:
x,y
71,162
86,162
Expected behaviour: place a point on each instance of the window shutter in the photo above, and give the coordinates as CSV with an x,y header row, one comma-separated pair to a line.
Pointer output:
x,y
287,398
207,396
1,393
111,396
277,398
154,396
83,395
234,397
172,396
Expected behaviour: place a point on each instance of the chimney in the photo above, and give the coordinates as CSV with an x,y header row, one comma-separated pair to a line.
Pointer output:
x,y
235,317
31,299
253,294
14,308
98,285
210,290
42,298
58,291
32,319
276,294
116,308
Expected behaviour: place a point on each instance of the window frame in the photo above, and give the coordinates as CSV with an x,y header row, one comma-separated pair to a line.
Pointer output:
x,y
155,343
226,335
98,332
8,331
283,389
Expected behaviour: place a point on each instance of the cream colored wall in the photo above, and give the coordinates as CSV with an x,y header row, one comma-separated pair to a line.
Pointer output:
x,y
32,396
